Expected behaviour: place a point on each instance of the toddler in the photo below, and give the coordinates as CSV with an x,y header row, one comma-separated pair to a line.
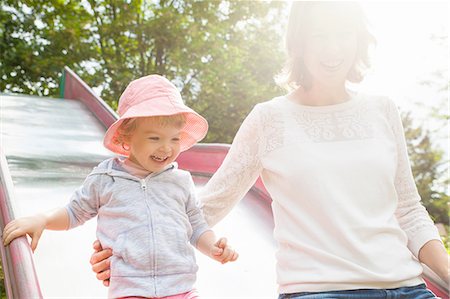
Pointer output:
x,y
145,206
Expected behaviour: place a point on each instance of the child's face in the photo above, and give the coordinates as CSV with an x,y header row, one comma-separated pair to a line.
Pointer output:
x,y
153,146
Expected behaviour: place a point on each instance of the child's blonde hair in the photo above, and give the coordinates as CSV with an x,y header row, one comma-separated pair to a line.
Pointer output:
x,y
129,125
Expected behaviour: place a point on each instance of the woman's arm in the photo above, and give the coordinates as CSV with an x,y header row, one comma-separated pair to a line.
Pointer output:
x,y
34,226
423,238
434,255
238,172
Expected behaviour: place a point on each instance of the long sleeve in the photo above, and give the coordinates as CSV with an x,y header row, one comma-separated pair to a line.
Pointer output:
x,y
195,214
84,203
238,172
411,214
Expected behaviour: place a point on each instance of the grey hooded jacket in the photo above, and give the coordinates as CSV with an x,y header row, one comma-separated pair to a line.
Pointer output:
x,y
148,223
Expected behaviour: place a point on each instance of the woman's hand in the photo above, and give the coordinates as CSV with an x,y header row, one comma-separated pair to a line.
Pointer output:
x,y
32,226
100,262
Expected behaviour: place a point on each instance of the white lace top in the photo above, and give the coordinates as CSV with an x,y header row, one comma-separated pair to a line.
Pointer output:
x,y
346,209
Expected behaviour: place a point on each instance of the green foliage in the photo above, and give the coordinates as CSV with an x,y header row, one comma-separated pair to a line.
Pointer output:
x,y
429,169
37,38
2,283
435,195
221,54
445,240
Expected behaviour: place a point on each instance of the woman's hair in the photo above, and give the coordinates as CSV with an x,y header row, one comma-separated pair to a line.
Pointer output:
x,y
295,74
129,125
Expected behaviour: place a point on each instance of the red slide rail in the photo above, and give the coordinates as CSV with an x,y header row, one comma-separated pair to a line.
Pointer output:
x,y
21,280
72,87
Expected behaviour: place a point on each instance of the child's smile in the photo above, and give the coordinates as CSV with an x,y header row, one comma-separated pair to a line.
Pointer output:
x,y
159,159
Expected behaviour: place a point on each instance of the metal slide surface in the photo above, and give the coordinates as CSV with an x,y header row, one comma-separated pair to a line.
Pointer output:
x,y
51,145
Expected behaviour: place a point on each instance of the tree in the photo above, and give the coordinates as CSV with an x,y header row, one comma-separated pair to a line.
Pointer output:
x,y
428,167
221,54
428,156
37,38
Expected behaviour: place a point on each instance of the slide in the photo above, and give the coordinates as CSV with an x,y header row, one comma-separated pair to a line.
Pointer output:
x,y
48,146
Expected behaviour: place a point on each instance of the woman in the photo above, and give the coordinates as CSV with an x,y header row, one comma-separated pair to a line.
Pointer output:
x,y
336,166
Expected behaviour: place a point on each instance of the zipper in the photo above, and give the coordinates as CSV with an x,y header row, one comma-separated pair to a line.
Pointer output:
x,y
143,185
144,189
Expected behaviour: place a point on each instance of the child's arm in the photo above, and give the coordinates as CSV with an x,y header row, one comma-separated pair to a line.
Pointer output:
x,y
83,206
34,226
217,250
203,238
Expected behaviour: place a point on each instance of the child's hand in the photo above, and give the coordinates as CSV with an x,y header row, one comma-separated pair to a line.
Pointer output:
x,y
223,253
33,226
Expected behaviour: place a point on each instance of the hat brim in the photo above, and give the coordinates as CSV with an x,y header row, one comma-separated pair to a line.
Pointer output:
x,y
193,131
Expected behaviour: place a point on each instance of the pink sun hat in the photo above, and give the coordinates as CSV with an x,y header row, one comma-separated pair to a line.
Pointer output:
x,y
154,95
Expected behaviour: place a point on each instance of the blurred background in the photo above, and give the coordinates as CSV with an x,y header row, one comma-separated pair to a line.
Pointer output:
x,y
223,56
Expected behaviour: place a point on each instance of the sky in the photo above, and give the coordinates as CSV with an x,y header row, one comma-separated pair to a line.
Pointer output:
x,y
406,54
